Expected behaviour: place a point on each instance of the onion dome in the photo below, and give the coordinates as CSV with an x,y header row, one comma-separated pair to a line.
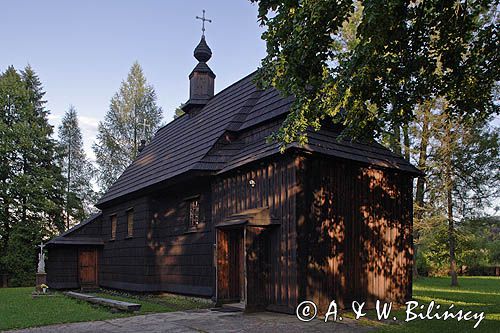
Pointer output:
x,y
202,52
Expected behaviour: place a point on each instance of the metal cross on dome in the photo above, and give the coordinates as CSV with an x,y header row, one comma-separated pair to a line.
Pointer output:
x,y
203,19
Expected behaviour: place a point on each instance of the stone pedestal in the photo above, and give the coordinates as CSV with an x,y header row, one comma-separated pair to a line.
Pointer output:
x,y
41,278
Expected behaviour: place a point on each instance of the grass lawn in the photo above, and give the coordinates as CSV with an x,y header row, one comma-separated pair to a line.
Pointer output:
x,y
477,294
19,310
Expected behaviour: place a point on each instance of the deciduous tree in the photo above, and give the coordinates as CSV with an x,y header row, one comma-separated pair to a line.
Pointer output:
x,y
120,133
405,53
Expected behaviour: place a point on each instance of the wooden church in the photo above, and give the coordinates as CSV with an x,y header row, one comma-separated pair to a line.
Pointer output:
x,y
210,208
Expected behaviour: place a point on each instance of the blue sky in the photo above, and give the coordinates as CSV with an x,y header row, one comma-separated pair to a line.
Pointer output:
x,y
82,50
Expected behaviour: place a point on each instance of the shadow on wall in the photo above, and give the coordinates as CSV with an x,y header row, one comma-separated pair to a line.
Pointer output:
x,y
356,236
179,259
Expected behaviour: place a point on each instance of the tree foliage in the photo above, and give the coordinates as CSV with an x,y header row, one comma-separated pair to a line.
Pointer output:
x,y
31,185
120,133
460,159
478,246
178,111
77,170
403,54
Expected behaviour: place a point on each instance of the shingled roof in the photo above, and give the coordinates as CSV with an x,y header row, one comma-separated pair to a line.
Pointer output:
x,y
68,237
192,142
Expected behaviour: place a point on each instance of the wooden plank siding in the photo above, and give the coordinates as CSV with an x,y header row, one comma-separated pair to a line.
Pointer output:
x,y
274,188
62,267
122,262
354,232
179,258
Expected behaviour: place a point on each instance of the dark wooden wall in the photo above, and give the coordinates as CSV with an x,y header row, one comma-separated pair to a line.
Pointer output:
x,y
122,265
92,229
354,226
275,188
62,267
179,259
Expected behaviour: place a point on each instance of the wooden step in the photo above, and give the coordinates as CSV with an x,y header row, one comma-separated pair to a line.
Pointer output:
x,y
120,305
234,306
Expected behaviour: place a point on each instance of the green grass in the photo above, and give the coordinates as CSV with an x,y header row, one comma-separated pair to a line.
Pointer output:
x,y
477,294
19,310
158,303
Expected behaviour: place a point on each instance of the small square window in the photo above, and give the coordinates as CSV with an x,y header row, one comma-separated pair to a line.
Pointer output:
x,y
130,223
113,226
194,213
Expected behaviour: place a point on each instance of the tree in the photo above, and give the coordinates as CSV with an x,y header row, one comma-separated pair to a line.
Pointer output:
x,y
77,169
420,131
31,184
405,53
178,111
12,95
463,174
120,133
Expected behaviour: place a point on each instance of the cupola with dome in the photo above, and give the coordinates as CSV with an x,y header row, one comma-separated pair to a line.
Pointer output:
x,y
201,79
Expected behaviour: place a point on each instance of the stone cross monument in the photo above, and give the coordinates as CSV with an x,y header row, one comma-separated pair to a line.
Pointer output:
x,y
41,259
41,276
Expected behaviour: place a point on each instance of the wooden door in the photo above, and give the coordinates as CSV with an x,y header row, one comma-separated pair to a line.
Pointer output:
x,y
230,265
235,265
258,264
87,267
222,266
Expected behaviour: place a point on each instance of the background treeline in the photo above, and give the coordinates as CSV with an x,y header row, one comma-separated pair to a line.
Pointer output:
x,y
459,192
48,184
421,77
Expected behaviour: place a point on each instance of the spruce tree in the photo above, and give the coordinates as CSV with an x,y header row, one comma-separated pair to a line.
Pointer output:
x,y
77,170
120,133
32,186
12,97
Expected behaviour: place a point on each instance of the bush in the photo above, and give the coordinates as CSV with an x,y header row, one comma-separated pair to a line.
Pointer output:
x,y
20,259
422,265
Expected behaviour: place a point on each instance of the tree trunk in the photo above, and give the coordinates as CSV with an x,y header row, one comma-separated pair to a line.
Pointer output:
x,y
451,235
69,183
449,195
395,139
422,160
6,226
406,142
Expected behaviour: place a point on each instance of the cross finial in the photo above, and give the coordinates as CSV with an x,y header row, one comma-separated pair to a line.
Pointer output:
x,y
203,19
144,125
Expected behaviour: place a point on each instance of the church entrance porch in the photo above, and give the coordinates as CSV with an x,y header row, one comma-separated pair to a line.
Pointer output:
x,y
244,257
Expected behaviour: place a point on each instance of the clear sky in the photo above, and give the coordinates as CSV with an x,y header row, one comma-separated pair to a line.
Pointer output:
x,y
82,50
